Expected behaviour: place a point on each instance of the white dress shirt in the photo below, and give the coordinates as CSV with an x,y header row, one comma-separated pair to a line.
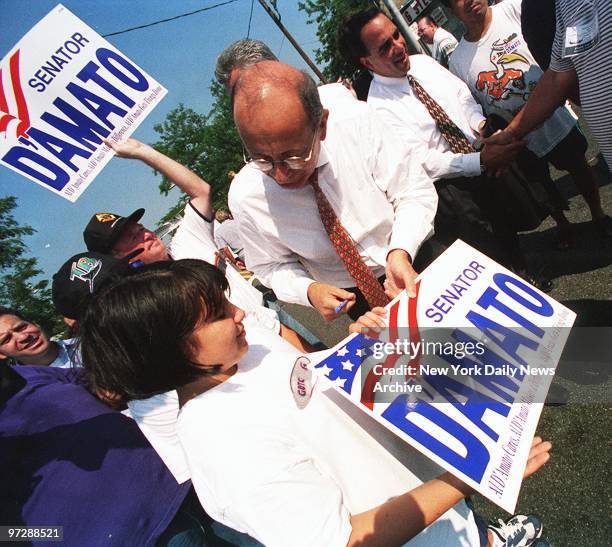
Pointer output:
x,y
398,105
291,476
195,239
376,187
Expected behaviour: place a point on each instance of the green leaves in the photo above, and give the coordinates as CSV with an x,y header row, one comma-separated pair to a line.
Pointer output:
x,y
208,144
18,287
327,14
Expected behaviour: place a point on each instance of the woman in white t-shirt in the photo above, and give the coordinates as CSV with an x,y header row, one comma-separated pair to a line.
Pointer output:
x,y
282,465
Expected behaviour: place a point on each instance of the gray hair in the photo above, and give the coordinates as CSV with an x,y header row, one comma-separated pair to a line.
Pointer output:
x,y
309,97
240,54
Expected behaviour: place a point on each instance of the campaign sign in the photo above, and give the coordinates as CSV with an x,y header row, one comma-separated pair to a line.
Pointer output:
x,y
462,371
62,89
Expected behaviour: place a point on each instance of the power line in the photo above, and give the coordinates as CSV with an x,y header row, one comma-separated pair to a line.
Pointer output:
x,y
302,53
169,19
250,18
281,46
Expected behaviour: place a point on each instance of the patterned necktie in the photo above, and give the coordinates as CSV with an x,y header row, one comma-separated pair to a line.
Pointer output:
x,y
365,280
454,136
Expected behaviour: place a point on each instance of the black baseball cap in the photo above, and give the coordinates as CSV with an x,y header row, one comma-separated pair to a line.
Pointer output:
x,y
82,275
105,228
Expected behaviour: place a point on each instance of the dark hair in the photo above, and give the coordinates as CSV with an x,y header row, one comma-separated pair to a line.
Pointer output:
x,y
135,333
348,37
361,84
427,19
12,311
242,53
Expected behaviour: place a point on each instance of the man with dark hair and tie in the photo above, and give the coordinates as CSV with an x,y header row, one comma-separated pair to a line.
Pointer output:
x,y
328,206
422,101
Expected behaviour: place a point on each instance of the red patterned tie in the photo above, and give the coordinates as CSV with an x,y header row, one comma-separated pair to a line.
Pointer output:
x,y
365,280
454,136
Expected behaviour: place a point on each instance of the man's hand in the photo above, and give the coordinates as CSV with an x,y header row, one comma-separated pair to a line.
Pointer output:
x,y
130,148
190,183
538,456
496,158
400,274
371,320
501,137
326,298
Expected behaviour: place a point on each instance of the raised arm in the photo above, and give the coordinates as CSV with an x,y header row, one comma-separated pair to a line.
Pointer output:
x,y
190,183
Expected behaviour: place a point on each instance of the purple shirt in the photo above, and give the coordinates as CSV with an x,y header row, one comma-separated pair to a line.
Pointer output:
x,y
66,459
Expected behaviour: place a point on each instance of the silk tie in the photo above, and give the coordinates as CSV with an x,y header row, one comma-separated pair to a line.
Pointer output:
x,y
455,138
364,279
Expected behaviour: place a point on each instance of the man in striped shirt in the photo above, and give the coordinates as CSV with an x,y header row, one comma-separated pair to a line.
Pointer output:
x,y
581,53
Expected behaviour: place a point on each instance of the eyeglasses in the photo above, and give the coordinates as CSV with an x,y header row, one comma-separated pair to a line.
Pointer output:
x,y
294,162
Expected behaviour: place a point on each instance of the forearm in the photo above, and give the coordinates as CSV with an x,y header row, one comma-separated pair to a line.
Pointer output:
x,y
190,183
414,220
398,520
551,92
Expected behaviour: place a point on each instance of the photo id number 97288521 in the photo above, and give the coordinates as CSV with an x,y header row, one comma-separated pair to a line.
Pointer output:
x,y
29,533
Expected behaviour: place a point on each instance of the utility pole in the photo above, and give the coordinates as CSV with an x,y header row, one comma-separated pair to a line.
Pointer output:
x,y
400,23
293,42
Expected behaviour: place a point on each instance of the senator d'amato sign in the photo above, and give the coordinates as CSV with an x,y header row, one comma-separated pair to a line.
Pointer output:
x,y
463,369
62,89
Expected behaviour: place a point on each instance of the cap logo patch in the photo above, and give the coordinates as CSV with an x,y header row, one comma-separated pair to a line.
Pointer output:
x,y
106,217
86,269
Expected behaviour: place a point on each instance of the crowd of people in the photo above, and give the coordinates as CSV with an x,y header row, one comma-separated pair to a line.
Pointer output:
x,y
170,413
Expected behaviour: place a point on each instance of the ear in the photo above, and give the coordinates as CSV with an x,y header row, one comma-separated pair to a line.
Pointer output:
x,y
323,123
366,63
70,323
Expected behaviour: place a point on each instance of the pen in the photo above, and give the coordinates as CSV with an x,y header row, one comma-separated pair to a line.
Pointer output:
x,y
341,306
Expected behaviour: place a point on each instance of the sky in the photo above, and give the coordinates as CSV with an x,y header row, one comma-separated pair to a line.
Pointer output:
x,y
180,55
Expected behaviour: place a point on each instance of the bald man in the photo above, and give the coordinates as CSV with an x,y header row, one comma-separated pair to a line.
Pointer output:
x,y
303,162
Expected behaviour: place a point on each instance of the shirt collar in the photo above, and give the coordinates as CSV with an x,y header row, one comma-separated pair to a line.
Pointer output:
x,y
323,157
391,82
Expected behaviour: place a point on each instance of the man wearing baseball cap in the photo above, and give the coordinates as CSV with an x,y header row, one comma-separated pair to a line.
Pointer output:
x,y
110,233
81,275
25,343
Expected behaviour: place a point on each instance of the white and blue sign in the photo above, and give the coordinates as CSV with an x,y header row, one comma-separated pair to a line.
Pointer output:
x,y
463,369
63,88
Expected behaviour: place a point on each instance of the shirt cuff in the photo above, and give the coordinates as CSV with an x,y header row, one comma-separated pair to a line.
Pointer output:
x,y
476,120
411,247
300,289
471,164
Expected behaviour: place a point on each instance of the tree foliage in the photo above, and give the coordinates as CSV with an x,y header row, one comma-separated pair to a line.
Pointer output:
x,y
11,243
208,144
19,288
327,14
